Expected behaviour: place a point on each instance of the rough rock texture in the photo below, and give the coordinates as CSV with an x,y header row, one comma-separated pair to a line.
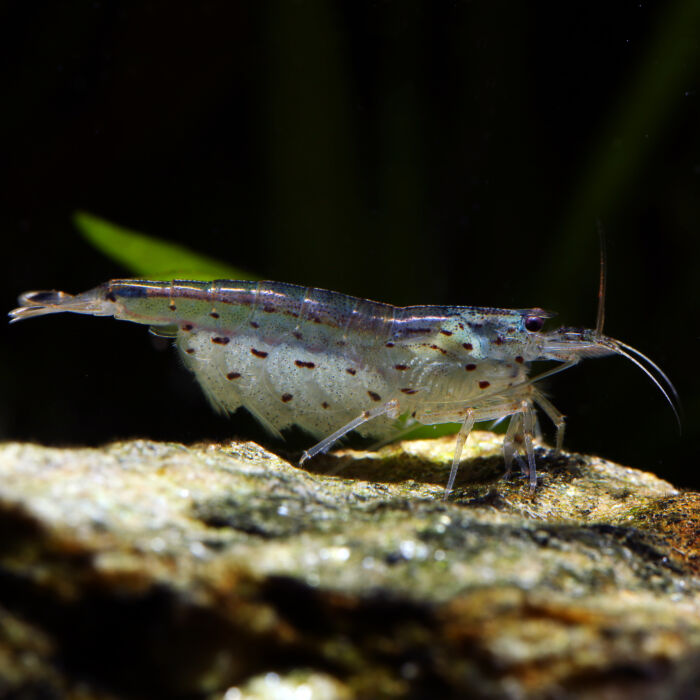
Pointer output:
x,y
158,570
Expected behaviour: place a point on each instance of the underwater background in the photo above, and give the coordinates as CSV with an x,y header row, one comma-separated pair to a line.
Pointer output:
x,y
410,152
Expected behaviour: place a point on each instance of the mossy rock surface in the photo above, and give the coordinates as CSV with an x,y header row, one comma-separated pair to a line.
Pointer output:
x,y
147,569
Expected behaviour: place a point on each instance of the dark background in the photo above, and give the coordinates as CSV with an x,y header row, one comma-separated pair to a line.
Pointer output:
x,y
411,152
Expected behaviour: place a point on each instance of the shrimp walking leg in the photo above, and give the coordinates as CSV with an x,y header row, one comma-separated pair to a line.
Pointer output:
x,y
390,408
462,436
520,431
513,434
528,426
556,416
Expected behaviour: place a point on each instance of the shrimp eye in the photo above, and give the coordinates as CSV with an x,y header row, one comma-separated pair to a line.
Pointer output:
x,y
534,323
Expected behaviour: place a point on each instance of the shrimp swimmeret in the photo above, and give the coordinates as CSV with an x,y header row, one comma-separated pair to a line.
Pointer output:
x,y
332,363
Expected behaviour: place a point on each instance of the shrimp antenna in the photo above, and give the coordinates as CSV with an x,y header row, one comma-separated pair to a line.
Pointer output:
x,y
615,346
636,352
600,320
623,349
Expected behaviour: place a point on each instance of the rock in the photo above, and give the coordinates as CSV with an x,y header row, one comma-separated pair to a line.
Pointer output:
x,y
159,570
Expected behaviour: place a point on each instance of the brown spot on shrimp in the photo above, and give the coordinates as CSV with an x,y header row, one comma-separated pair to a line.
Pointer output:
x,y
233,375
467,346
286,398
389,344
189,351
408,390
110,296
259,353
374,396
253,324
297,335
325,404
214,314
172,306
187,327
444,332
401,368
221,340
301,363
483,384
519,359
470,367
351,371
438,348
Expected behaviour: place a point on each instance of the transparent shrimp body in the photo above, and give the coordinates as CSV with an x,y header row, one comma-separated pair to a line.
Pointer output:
x,y
332,363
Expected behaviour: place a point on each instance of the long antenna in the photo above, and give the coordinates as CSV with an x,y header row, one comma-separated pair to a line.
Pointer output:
x,y
600,320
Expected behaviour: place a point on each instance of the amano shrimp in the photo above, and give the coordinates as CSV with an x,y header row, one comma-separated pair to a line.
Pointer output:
x,y
332,363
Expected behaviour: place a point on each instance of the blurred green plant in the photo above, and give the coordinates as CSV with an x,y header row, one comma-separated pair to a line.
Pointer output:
x,y
151,257
638,123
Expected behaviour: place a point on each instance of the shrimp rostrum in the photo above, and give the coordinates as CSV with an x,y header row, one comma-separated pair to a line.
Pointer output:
x,y
331,363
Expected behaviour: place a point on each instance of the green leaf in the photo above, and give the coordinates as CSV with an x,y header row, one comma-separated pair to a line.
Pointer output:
x,y
428,432
151,257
